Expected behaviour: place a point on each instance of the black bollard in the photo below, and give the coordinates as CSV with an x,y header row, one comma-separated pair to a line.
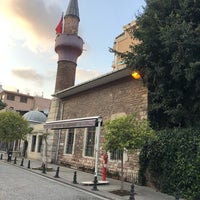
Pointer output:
x,y
177,194
43,168
57,173
15,160
1,156
75,178
9,156
29,164
22,162
95,184
132,192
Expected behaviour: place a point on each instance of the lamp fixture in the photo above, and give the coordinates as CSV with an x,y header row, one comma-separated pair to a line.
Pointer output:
x,y
136,75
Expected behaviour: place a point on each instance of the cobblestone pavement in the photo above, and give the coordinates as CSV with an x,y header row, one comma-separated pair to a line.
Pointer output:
x,y
66,176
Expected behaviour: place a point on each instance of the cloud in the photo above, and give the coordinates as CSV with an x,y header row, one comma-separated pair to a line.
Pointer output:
x,y
85,75
33,22
28,74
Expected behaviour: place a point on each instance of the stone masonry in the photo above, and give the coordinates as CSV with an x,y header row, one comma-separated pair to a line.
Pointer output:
x,y
121,97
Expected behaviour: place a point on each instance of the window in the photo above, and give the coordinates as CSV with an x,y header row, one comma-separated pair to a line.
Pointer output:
x,y
90,141
39,143
23,99
11,97
70,141
116,155
33,143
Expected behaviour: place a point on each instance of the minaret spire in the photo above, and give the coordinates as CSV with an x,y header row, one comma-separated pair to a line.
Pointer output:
x,y
69,47
72,19
72,8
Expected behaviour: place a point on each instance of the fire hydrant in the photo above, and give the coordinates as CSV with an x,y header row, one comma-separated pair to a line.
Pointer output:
x,y
105,161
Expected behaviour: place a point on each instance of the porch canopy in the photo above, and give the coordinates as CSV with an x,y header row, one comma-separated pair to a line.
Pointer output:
x,y
74,123
95,121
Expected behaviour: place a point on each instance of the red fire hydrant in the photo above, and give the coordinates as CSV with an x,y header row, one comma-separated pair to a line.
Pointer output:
x,y
105,161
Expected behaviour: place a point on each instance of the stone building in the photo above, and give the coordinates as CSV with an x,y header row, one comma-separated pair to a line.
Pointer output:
x,y
108,96
33,146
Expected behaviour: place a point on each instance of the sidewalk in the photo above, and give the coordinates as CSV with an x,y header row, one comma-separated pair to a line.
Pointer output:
x,y
66,175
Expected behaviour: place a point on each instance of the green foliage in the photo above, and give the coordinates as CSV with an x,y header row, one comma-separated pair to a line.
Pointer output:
x,y
2,105
169,60
173,159
13,126
126,132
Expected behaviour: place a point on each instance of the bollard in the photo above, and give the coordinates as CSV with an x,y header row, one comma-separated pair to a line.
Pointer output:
x,y
22,162
95,184
9,156
132,192
29,164
43,169
57,173
75,178
177,194
1,156
15,160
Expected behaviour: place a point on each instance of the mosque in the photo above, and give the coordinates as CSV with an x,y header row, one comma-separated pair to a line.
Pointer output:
x,y
78,112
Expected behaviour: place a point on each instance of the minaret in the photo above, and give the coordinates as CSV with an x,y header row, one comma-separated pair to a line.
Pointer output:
x,y
68,46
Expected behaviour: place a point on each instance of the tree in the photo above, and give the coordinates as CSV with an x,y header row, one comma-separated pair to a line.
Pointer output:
x,y
126,133
169,60
13,127
2,105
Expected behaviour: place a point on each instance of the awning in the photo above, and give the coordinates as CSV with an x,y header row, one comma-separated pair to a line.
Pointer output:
x,y
73,123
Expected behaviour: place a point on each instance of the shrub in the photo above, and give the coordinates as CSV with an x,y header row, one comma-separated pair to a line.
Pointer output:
x,y
173,160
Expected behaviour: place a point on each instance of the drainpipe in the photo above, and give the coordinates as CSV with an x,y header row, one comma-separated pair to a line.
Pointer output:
x,y
59,134
97,145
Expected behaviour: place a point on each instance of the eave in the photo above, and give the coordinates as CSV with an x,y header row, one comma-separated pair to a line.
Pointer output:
x,y
99,81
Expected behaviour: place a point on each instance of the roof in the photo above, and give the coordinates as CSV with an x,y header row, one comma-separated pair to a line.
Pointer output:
x,y
16,93
72,8
35,116
102,80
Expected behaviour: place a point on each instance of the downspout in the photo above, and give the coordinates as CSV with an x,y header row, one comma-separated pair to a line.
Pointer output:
x,y
59,135
97,145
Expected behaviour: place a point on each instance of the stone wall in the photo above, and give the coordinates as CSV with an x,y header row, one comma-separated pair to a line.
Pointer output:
x,y
121,97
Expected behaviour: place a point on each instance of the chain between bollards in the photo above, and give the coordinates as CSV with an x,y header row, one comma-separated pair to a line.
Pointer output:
x,y
75,178
95,184
57,173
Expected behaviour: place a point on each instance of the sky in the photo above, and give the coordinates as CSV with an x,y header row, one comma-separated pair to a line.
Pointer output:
x,y
28,61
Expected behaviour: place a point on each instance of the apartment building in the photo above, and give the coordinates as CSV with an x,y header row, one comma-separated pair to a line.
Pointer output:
x,y
122,44
23,103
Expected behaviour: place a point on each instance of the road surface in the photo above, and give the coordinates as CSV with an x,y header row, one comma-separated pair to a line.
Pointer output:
x,y
19,184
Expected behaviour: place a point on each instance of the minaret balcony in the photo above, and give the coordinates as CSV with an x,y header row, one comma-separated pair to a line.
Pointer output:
x,y
68,47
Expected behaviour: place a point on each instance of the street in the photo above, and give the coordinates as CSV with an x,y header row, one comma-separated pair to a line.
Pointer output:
x,y
19,184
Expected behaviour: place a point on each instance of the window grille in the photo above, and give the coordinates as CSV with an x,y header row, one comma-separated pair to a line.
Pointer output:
x,y
70,141
116,155
90,142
